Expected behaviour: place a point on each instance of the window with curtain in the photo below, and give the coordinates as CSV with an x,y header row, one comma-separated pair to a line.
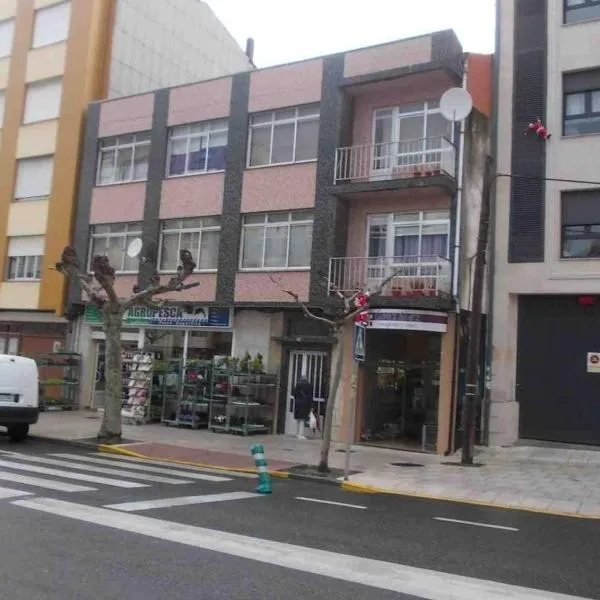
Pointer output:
x,y
281,240
581,102
580,224
197,148
201,236
25,256
112,241
34,178
284,136
581,10
123,158
51,24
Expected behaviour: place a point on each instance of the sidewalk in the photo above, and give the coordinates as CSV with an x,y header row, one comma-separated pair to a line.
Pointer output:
x,y
548,480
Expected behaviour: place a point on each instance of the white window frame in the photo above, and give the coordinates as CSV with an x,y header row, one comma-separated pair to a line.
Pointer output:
x,y
204,129
28,254
266,225
117,144
10,24
181,229
132,230
40,13
35,87
23,262
271,124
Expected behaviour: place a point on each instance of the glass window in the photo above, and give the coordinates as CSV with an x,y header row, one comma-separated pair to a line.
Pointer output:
x,y
42,100
197,148
112,241
51,24
123,158
581,10
277,241
200,236
25,256
580,241
7,32
34,178
284,136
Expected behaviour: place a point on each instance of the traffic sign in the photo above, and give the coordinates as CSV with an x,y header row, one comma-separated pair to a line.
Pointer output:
x,y
359,344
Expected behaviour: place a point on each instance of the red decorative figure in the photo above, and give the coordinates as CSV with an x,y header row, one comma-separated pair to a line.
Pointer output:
x,y
538,128
362,317
361,300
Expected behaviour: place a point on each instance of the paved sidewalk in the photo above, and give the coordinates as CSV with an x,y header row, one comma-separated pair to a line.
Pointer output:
x,y
560,481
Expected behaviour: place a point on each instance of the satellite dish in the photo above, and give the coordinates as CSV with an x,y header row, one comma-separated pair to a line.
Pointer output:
x,y
134,248
456,104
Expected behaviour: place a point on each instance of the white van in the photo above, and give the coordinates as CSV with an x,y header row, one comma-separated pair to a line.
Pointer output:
x,y
19,395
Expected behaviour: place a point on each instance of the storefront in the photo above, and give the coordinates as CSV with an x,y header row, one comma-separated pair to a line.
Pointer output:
x,y
405,381
176,335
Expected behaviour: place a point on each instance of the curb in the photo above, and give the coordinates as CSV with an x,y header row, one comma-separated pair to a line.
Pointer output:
x,y
63,442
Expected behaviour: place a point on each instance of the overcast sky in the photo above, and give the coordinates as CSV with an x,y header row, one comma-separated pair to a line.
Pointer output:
x,y
289,30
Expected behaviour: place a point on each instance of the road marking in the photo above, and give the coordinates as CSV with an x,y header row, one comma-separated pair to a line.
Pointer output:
x,y
475,523
174,471
69,475
181,501
101,470
331,502
120,457
8,493
49,484
412,581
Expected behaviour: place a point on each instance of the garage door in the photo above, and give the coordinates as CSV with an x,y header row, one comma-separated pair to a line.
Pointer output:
x,y
559,400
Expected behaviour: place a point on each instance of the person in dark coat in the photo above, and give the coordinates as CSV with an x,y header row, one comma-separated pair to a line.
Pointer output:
x,y
303,400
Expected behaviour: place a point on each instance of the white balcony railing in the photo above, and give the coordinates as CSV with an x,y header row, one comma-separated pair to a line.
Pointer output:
x,y
410,276
395,160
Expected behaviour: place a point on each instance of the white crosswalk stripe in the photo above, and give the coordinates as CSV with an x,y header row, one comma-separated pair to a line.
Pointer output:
x,y
145,468
101,470
48,484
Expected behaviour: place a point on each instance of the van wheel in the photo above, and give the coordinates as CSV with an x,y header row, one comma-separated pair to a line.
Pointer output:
x,y
18,433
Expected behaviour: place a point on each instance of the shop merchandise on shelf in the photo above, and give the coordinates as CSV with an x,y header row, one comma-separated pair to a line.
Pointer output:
x,y
137,383
59,374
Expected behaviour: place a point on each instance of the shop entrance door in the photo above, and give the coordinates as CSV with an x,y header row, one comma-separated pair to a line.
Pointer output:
x,y
312,366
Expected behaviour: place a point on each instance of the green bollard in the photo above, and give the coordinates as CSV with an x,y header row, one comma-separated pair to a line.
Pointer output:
x,y
264,479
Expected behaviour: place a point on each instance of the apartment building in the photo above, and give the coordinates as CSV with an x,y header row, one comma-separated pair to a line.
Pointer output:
x,y
55,57
319,176
546,284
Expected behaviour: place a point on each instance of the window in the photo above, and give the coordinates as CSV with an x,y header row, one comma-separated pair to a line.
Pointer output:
x,y
284,136
34,178
409,235
197,148
200,236
112,241
581,10
25,255
42,100
123,158
281,240
580,227
51,25
2,103
581,102
7,31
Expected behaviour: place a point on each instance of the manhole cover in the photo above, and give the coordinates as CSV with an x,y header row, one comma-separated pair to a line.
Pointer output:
x,y
406,464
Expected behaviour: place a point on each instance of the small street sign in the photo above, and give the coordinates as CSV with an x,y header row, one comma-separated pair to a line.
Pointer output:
x,y
359,345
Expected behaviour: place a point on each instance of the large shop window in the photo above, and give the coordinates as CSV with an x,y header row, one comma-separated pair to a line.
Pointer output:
x,y
7,34
34,178
25,255
51,25
123,158
581,10
197,148
42,100
200,236
281,240
581,102
408,236
284,136
580,231
112,241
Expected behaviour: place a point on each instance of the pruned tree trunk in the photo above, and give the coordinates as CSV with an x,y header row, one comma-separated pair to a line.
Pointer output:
x,y
330,410
110,430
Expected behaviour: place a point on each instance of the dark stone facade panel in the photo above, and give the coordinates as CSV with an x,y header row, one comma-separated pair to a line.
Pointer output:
x,y
232,189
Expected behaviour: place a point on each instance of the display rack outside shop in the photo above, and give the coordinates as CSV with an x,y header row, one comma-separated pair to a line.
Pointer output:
x,y
59,377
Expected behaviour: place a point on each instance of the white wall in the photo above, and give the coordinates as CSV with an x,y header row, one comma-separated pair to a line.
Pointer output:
x,y
164,43
252,333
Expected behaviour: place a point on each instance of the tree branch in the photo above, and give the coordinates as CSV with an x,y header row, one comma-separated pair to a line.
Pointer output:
x,y
104,274
69,267
175,284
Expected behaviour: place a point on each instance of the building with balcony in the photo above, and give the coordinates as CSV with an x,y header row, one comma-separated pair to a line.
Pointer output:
x,y
546,285
55,57
317,177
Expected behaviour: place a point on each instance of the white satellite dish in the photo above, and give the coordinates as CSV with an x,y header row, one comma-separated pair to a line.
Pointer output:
x,y
456,104
134,248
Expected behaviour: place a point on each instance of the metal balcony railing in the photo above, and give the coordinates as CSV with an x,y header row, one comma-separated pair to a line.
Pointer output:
x,y
424,157
414,276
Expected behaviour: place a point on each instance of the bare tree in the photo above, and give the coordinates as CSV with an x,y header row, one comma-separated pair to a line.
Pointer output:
x,y
112,309
354,307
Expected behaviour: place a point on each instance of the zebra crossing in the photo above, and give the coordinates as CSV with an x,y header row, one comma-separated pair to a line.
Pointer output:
x,y
24,474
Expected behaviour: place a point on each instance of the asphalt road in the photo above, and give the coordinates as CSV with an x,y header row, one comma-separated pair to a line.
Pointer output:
x,y
55,547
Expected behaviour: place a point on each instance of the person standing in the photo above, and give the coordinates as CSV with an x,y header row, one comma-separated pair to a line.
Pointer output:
x,y
303,394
